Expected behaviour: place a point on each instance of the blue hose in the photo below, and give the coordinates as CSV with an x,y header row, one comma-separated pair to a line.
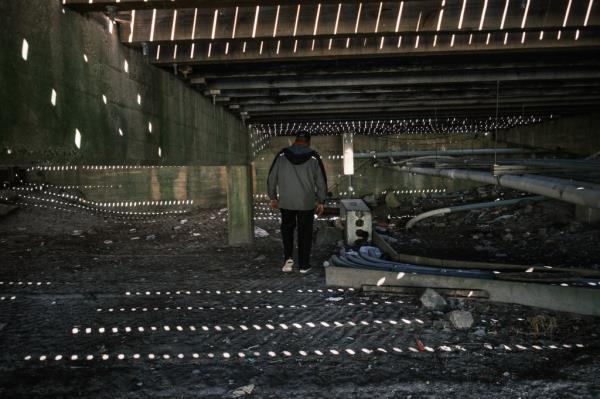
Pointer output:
x,y
367,262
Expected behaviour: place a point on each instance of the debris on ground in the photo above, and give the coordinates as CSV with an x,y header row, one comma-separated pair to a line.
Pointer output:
x,y
243,391
526,233
542,325
461,319
373,335
260,232
334,299
432,300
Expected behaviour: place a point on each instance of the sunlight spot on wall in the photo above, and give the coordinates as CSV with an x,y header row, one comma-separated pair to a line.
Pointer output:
x,y
25,49
78,138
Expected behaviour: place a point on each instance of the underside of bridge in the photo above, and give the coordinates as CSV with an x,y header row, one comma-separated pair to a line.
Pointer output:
x,y
458,253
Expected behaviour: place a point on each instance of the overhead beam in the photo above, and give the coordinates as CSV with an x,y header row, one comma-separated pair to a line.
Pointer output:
x,y
407,79
128,5
457,102
411,96
391,90
165,35
412,44
433,110
333,20
446,112
591,58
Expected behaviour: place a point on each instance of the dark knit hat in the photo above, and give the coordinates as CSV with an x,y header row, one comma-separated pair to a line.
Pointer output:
x,y
304,136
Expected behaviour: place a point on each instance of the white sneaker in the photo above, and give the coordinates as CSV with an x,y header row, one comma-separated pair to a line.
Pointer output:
x,y
287,266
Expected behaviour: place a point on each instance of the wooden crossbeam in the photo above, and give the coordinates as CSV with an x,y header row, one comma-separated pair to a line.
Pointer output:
x,y
320,48
128,5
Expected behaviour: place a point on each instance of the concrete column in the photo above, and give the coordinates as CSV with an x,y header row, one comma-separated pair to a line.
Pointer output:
x,y
239,203
587,215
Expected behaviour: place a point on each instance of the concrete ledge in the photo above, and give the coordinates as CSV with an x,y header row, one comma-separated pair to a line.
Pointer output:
x,y
6,209
565,299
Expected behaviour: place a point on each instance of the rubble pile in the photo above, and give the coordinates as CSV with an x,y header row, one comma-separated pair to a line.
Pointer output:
x,y
540,233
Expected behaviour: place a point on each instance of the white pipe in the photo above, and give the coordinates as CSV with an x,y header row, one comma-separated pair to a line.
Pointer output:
x,y
576,192
460,208
475,151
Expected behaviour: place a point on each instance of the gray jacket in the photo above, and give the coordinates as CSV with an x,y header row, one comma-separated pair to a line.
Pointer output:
x,y
298,175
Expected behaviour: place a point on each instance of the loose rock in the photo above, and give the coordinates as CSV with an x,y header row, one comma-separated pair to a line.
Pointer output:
x,y
460,319
243,391
432,300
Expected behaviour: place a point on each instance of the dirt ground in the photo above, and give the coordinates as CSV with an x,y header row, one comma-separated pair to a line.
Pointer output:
x,y
193,318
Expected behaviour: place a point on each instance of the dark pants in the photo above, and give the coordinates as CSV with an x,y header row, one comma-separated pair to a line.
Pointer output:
x,y
304,220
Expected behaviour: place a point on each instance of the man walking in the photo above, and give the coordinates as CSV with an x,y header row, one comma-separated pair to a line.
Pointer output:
x,y
298,175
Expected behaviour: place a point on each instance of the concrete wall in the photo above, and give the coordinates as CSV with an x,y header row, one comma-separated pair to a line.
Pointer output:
x,y
185,125
579,135
206,186
366,178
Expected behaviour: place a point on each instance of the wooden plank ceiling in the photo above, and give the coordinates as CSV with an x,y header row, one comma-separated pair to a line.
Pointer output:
x,y
300,63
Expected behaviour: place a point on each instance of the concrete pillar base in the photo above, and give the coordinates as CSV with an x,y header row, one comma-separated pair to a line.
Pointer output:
x,y
587,215
239,203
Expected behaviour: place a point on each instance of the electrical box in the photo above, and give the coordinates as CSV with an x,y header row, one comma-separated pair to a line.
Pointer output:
x,y
357,221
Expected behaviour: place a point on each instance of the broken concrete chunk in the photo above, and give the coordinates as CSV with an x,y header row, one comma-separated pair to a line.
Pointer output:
x,y
432,300
334,299
480,332
260,233
460,319
243,391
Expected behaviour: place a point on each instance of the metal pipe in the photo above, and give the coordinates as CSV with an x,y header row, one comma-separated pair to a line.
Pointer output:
x,y
583,164
402,162
461,208
420,153
576,192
